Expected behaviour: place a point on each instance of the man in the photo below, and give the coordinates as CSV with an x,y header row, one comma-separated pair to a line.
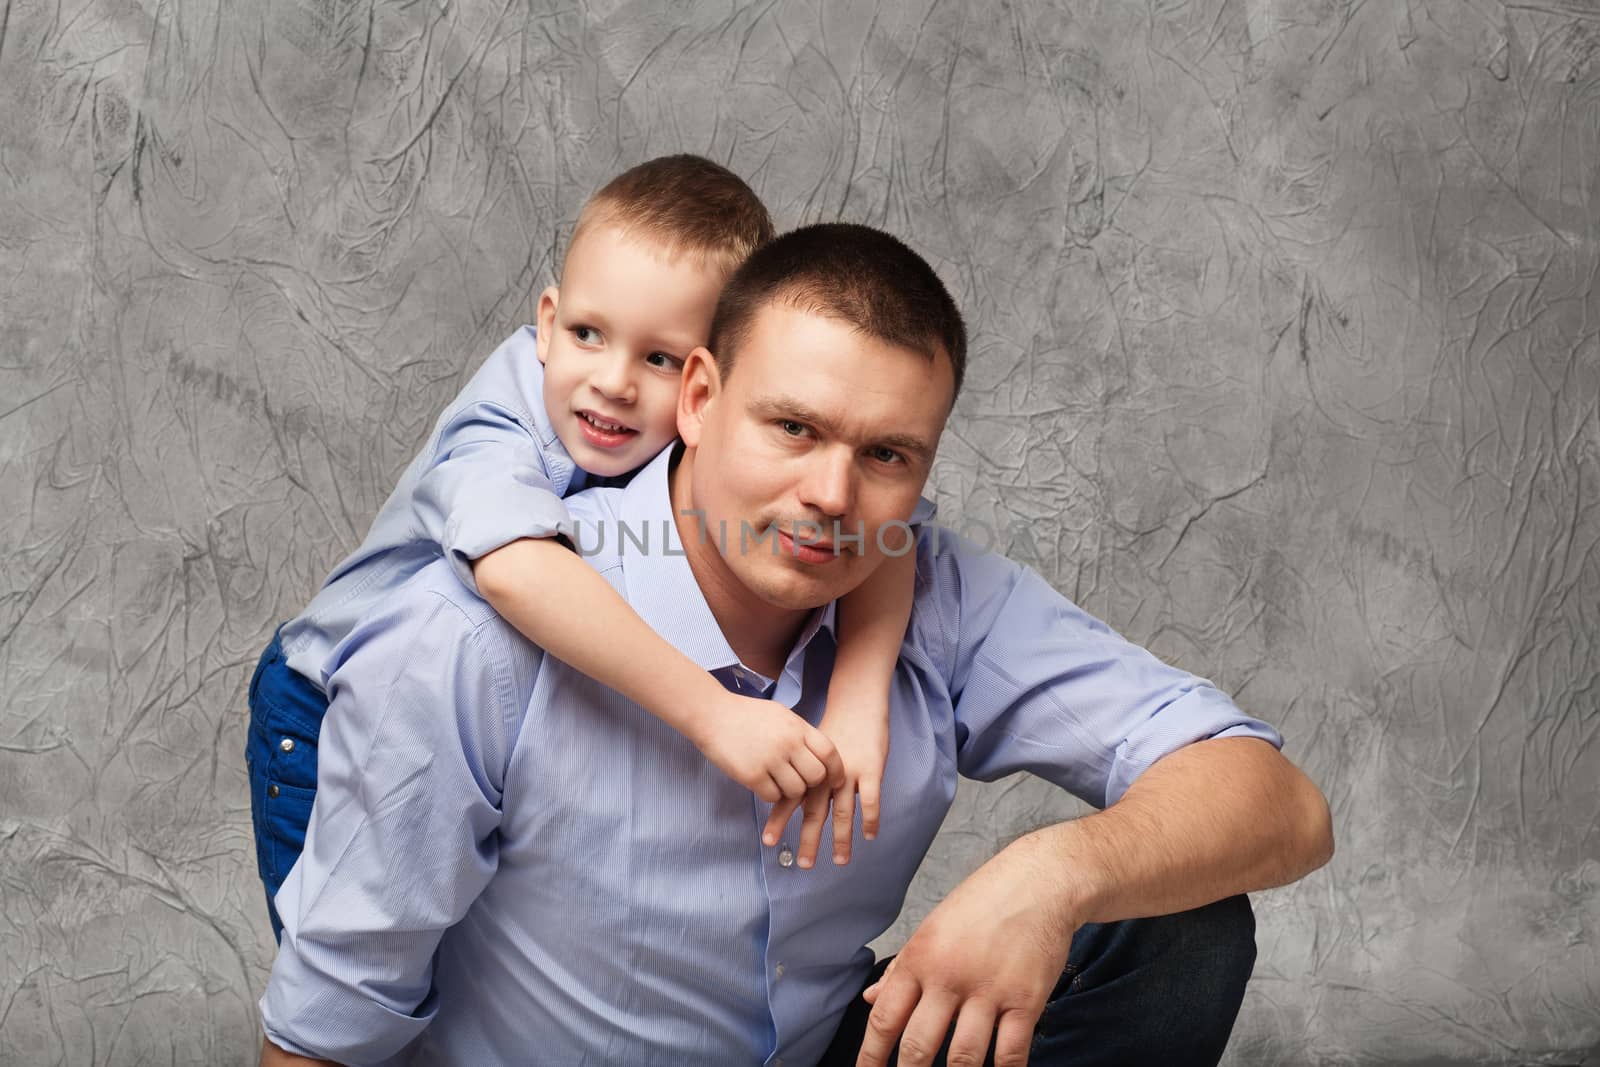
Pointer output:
x,y
509,863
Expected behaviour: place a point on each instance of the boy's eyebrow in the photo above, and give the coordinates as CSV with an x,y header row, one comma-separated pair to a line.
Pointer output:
x,y
780,406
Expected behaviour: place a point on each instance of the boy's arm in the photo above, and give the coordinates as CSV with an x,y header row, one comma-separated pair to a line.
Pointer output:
x,y
536,585
872,626
488,482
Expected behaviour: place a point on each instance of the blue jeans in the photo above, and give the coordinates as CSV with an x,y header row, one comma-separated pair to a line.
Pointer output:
x,y
286,714
1164,990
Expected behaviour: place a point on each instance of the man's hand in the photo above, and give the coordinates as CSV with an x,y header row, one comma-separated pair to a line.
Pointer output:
x,y
862,739
765,747
986,959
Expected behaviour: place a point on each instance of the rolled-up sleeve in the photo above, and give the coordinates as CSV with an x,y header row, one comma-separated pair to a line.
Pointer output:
x,y
489,484
403,835
1041,686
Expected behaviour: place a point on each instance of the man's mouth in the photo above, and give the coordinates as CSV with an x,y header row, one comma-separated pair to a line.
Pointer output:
x,y
803,541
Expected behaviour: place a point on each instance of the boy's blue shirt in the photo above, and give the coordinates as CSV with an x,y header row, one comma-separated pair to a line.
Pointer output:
x,y
493,471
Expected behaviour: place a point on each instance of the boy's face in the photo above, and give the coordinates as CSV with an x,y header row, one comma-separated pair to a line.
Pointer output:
x,y
613,339
817,424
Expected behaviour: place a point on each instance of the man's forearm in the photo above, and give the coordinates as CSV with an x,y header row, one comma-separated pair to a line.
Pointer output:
x,y
273,1056
1214,819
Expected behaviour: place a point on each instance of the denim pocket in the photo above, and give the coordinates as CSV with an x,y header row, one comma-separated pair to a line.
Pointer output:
x,y
293,749
288,814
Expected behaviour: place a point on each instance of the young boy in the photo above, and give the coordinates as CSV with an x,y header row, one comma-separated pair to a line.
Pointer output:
x,y
592,394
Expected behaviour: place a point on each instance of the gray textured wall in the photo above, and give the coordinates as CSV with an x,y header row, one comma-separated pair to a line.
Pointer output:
x,y
1286,363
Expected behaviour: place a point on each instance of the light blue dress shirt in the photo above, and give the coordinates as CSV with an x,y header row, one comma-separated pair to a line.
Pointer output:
x,y
493,470
509,863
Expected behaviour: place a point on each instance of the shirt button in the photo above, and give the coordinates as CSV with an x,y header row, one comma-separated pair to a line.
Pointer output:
x,y
785,857
777,972
287,744
272,791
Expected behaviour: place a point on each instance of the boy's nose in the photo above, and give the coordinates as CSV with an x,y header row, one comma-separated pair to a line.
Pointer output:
x,y
614,380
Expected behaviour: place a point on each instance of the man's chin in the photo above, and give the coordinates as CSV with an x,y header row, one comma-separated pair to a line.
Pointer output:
x,y
795,590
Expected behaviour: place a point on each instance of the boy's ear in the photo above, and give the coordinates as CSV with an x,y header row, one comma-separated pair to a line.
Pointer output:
x,y
700,387
546,323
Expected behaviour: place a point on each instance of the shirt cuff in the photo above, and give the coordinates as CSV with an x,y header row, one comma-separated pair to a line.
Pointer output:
x,y
1200,714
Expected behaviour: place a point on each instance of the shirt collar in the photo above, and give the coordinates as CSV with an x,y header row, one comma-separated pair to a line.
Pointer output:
x,y
661,585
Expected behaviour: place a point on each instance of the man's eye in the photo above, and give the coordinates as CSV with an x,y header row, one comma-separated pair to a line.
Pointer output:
x,y
666,362
790,427
886,455
586,335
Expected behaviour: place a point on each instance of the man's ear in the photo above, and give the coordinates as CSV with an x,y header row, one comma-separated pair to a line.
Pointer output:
x,y
546,321
701,385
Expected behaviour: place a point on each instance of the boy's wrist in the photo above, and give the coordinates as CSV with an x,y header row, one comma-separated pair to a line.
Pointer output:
x,y
689,711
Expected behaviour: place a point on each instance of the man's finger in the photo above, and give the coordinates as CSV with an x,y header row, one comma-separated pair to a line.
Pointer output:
x,y
1013,1038
924,1033
811,823
969,1045
828,753
869,805
844,823
778,820
870,994
893,1006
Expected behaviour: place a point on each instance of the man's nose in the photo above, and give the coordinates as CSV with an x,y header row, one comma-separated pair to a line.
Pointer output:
x,y
613,378
829,485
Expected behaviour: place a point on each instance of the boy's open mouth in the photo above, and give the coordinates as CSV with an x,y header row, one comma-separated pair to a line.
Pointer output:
x,y
604,433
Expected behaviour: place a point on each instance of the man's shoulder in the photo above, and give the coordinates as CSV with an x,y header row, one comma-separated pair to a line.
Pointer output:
x,y
960,588
433,619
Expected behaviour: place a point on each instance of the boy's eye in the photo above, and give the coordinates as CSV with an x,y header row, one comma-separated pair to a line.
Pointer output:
x,y
664,361
586,335
791,428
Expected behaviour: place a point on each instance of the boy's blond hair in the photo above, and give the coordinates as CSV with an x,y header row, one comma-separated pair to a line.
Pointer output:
x,y
689,204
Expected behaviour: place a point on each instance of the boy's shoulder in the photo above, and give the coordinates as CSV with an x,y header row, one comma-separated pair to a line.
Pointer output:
x,y
511,375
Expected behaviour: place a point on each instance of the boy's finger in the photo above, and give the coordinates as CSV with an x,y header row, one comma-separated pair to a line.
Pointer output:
x,y
826,751
778,820
789,780
809,767
844,823
764,787
811,823
869,807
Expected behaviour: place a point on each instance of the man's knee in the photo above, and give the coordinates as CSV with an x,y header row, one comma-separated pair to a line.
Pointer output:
x,y
1221,937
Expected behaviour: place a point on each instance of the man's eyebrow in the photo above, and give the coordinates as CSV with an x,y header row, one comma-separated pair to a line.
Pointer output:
x,y
787,407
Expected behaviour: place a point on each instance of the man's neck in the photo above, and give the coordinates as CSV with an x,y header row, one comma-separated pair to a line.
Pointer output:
x,y
760,634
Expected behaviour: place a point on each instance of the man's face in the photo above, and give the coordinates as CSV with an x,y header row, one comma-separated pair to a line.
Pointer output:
x,y
818,427
613,340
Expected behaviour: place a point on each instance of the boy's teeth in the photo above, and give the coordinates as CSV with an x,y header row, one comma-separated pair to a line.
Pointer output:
x,y
614,427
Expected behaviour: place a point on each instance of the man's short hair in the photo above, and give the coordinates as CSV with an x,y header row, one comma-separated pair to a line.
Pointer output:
x,y
689,204
854,274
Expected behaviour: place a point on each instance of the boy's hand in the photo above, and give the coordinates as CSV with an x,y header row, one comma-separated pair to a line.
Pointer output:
x,y
767,748
863,743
